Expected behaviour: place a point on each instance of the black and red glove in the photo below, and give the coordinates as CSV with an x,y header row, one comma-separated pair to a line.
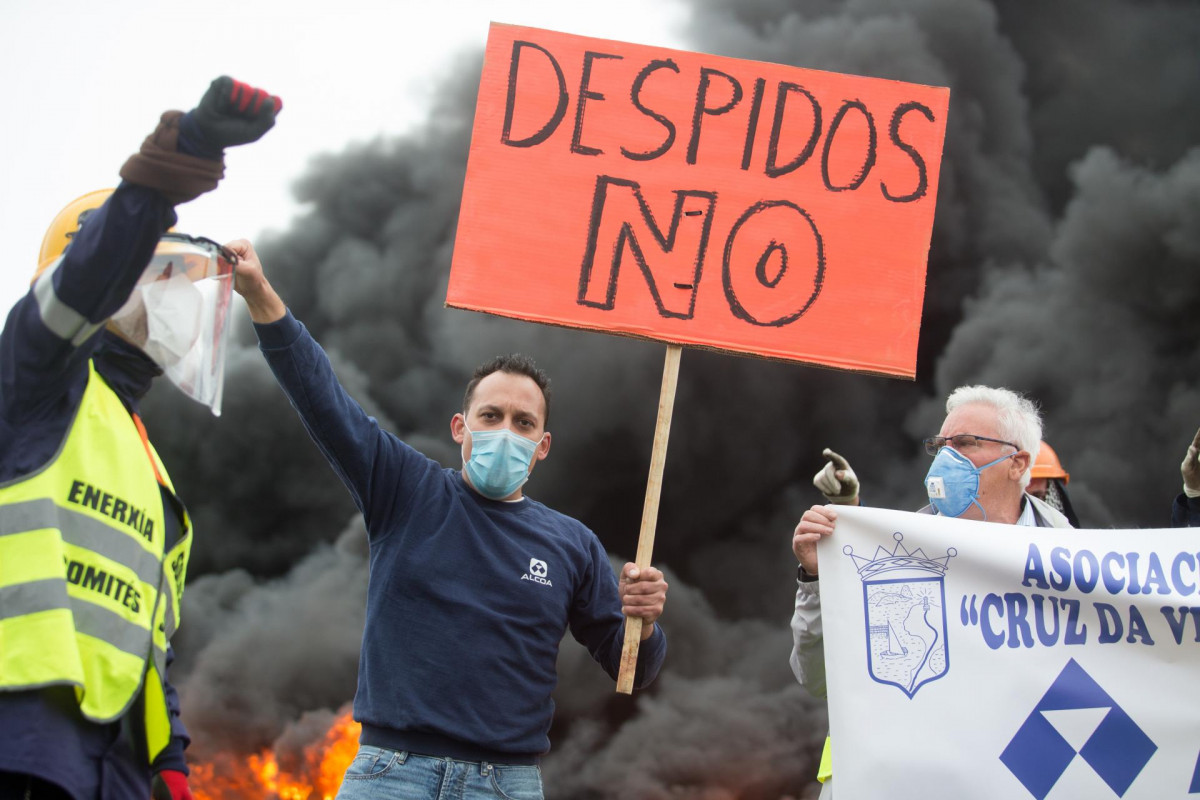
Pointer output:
x,y
170,785
233,113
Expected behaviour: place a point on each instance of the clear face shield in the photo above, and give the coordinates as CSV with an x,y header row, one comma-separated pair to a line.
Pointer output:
x,y
178,314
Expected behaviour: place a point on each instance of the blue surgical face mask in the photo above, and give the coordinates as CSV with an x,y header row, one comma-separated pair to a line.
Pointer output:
x,y
953,482
499,462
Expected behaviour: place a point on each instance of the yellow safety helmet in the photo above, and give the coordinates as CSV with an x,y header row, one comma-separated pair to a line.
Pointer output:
x,y
1048,465
66,225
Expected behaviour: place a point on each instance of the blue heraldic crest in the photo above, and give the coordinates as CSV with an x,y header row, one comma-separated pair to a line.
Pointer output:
x,y
904,607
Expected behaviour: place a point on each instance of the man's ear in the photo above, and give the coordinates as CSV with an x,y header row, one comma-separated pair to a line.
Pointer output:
x,y
543,448
1020,463
458,425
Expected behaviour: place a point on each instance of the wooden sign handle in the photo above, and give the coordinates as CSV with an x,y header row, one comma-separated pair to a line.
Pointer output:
x,y
645,549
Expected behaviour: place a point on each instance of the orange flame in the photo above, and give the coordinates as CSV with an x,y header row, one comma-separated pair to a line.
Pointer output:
x,y
229,777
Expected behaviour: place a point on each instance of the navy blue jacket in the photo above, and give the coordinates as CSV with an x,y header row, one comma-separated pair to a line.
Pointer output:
x,y
468,599
42,377
1185,513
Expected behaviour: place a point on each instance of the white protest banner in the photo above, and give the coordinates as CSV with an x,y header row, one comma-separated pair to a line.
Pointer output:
x,y
977,660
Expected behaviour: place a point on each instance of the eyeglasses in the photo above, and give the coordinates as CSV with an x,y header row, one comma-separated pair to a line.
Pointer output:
x,y
960,442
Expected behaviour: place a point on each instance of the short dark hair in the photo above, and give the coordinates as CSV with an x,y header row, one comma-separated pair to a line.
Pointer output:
x,y
514,364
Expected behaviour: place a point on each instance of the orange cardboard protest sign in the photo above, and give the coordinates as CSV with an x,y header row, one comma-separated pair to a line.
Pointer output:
x,y
700,200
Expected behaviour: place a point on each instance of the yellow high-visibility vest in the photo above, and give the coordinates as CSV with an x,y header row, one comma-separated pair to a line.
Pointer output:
x,y
825,770
88,597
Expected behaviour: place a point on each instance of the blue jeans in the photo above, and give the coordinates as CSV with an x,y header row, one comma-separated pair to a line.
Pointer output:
x,y
380,774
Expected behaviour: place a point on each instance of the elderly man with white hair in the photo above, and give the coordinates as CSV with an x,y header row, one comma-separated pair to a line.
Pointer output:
x,y
982,459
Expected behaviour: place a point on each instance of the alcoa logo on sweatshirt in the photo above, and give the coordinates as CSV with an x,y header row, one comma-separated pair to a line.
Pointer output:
x,y
537,572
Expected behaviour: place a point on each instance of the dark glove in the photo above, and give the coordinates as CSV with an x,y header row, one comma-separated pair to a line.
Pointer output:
x,y
233,113
170,785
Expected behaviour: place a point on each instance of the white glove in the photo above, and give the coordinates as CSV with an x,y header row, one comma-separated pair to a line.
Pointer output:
x,y
1190,468
837,481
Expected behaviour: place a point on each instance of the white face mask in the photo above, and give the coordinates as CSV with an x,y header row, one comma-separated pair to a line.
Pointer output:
x,y
173,311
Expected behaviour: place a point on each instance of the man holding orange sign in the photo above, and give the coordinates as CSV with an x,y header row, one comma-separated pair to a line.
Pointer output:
x,y
473,585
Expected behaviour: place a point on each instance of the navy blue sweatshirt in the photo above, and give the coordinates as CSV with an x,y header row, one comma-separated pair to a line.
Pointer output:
x,y
462,636
1185,512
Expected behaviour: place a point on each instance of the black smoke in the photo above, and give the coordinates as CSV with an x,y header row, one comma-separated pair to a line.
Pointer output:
x,y
1065,263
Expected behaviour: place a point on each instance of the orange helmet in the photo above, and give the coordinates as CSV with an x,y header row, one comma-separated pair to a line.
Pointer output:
x,y
66,225
1048,465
